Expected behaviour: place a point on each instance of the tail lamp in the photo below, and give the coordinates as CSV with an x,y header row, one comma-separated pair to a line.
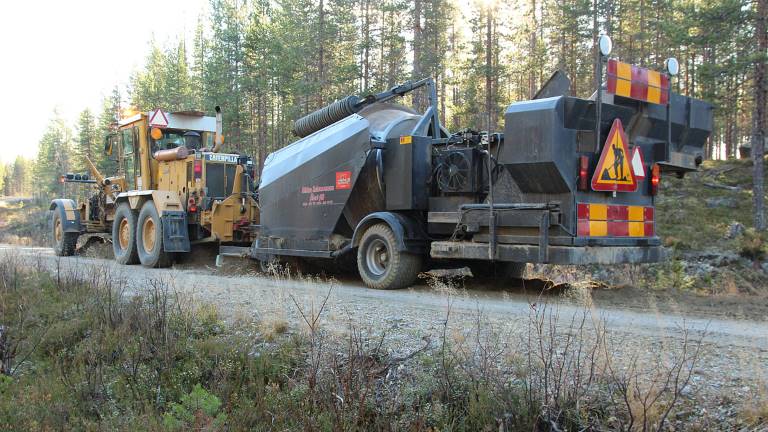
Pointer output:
x,y
192,205
655,179
198,169
583,173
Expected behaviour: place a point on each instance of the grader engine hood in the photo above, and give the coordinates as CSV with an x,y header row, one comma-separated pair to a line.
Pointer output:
x,y
218,171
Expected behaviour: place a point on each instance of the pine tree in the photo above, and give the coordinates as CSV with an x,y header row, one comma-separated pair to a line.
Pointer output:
x,y
107,123
177,94
16,181
87,143
759,114
149,87
53,156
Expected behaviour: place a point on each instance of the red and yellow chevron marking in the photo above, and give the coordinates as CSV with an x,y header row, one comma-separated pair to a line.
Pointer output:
x,y
603,220
638,83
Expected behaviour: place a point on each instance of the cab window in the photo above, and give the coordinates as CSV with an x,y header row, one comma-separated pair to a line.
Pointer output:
x,y
173,138
129,140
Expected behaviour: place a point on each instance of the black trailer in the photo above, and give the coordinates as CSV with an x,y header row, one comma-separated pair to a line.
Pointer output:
x,y
570,181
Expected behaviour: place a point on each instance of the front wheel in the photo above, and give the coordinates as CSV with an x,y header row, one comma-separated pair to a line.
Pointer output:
x,y
63,242
381,264
149,238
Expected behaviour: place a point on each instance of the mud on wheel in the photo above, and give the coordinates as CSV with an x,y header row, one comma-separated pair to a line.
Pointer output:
x,y
381,264
124,235
149,238
63,242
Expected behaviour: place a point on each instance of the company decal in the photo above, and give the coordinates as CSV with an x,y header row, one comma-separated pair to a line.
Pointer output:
x,y
316,195
343,179
218,157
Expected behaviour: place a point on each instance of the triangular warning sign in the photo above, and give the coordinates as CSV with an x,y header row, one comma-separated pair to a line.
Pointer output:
x,y
158,119
638,163
614,170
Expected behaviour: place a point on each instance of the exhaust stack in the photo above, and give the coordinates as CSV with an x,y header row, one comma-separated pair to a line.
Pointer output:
x,y
218,138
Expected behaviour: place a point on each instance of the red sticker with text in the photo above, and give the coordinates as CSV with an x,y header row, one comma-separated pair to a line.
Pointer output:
x,y
343,179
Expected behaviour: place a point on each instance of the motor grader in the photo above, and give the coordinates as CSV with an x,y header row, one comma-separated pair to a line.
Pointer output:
x,y
173,188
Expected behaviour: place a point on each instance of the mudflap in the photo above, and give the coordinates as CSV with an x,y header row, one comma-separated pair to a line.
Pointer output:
x,y
175,234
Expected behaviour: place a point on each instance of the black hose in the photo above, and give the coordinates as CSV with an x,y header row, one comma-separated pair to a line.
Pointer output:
x,y
326,116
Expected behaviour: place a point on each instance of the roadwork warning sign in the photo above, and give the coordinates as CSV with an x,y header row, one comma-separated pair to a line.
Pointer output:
x,y
614,171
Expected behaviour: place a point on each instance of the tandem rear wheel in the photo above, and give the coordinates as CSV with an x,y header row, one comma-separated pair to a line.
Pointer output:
x,y
149,238
124,235
381,264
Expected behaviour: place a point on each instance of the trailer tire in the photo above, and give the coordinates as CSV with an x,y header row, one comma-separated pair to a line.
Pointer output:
x,y
149,238
381,264
63,242
124,235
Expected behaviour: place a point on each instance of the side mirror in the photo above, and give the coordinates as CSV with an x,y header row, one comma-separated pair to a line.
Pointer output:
x,y
108,144
110,147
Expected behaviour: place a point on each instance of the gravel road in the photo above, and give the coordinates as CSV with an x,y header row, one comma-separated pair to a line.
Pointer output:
x,y
733,362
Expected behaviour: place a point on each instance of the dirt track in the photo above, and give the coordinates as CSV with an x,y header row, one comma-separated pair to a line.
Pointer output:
x,y
734,360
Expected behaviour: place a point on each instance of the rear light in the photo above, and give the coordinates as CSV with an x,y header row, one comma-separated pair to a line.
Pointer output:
x,y
192,205
583,173
655,179
198,169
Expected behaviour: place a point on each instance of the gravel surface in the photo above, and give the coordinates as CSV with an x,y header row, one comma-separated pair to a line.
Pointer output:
x,y
733,363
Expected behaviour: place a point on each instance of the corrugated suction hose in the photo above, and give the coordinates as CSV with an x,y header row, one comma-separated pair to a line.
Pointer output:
x,y
326,116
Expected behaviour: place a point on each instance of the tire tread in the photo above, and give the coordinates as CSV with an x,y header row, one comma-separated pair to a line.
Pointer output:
x,y
404,267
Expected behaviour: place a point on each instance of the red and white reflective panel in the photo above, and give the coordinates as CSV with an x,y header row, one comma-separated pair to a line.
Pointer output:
x,y
638,163
603,220
638,83
158,119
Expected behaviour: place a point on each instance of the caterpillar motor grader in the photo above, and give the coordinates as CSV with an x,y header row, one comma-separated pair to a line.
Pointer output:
x,y
173,188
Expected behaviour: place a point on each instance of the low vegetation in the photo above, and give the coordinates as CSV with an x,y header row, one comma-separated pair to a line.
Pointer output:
x,y
85,351
706,221
24,221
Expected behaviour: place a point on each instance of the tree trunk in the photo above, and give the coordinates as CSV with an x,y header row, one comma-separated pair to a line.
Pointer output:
x,y
321,53
758,121
489,69
366,44
418,100
532,52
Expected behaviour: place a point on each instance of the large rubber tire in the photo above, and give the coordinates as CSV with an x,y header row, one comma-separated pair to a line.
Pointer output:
x,y
497,270
124,235
149,238
381,264
63,242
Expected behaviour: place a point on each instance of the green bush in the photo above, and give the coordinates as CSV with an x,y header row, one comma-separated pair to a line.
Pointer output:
x,y
752,245
198,409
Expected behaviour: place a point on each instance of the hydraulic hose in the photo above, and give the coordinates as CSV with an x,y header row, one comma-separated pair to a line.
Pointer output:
x,y
326,116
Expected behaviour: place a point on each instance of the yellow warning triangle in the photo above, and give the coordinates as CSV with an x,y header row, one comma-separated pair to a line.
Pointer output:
x,y
614,170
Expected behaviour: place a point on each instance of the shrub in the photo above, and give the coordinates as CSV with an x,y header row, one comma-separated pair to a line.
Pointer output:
x,y
199,410
752,245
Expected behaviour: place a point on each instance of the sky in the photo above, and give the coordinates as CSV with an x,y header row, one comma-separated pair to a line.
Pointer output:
x,y
67,55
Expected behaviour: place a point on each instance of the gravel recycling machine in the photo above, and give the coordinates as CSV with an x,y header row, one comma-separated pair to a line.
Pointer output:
x,y
570,181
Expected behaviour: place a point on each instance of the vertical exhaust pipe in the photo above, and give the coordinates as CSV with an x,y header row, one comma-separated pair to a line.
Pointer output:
x,y
218,138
